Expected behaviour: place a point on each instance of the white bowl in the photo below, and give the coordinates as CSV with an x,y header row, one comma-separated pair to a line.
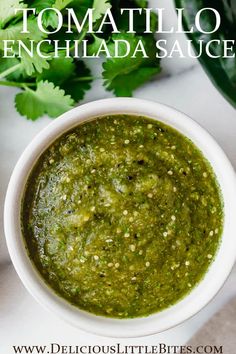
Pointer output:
x,y
200,295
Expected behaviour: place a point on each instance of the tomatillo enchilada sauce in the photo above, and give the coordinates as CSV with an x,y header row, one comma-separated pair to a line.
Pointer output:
x,y
122,216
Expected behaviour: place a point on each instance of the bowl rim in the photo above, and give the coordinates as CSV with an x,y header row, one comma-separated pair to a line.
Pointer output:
x,y
122,328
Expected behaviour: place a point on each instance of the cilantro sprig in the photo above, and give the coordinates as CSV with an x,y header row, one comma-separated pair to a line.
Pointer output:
x,y
54,85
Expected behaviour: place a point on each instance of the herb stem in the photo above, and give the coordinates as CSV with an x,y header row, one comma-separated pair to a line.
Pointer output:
x,y
71,26
10,70
85,78
17,84
83,35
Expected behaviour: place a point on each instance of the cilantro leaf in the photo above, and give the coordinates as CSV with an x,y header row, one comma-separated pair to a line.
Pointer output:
x,y
61,4
49,18
124,85
46,99
100,7
142,3
79,83
95,45
40,5
80,7
13,32
139,20
35,63
53,85
123,75
59,70
72,76
6,63
7,10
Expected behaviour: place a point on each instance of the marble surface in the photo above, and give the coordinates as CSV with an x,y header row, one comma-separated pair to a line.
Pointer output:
x,y
183,85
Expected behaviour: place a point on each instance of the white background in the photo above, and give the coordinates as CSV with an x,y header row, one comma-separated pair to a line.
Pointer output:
x,y
183,85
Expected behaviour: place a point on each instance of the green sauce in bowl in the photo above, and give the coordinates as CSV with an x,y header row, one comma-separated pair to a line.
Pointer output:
x,y
122,216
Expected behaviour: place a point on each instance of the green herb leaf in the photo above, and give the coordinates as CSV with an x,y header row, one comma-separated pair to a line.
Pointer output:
x,y
79,83
80,7
40,5
35,63
49,18
59,82
61,4
124,85
139,20
142,3
47,99
13,32
123,75
6,64
100,7
95,45
7,10
59,70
